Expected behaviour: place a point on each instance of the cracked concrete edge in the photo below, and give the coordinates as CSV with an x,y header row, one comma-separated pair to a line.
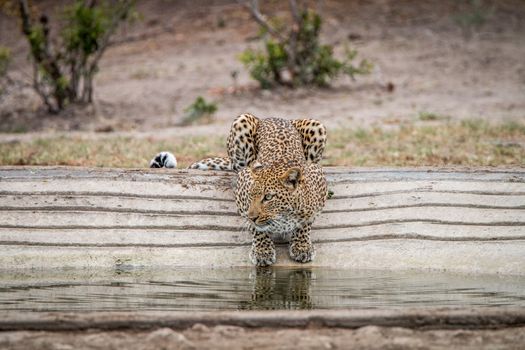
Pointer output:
x,y
416,318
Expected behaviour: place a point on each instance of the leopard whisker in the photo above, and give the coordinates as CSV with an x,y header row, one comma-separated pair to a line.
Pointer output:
x,y
245,226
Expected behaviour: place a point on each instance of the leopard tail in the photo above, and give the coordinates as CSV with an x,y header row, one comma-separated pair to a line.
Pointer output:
x,y
215,163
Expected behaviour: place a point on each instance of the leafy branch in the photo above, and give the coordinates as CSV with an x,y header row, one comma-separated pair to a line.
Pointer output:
x,y
293,54
64,66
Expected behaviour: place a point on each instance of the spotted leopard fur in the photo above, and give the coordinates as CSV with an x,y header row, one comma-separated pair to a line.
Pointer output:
x,y
280,187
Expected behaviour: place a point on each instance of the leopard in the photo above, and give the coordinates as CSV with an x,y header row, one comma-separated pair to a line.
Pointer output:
x,y
280,187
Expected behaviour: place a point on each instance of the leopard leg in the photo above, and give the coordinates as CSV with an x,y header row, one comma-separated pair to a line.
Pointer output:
x,y
301,248
240,144
216,163
263,249
313,135
242,149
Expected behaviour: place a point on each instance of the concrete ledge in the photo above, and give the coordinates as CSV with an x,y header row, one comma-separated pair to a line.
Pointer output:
x,y
427,318
459,220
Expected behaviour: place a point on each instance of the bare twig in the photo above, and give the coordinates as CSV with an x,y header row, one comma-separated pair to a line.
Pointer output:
x,y
55,67
253,7
43,57
292,42
41,91
120,14
295,11
24,15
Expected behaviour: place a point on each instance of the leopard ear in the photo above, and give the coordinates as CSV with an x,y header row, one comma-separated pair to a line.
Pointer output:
x,y
254,169
256,165
292,178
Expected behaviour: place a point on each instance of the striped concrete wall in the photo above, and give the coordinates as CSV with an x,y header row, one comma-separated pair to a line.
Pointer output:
x,y
463,221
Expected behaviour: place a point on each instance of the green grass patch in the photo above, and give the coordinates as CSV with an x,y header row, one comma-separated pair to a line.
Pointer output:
x,y
469,143
199,111
429,116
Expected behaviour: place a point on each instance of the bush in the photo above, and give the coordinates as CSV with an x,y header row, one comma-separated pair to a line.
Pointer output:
x,y
5,81
297,58
5,58
475,15
66,64
200,109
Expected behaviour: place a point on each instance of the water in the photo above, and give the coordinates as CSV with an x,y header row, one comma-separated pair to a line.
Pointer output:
x,y
250,289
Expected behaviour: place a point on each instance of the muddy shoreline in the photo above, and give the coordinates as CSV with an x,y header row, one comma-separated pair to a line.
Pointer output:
x,y
472,329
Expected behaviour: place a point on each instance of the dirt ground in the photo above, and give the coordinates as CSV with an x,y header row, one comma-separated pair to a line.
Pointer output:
x,y
230,337
183,49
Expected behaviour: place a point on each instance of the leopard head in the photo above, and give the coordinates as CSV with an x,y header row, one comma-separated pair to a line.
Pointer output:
x,y
271,197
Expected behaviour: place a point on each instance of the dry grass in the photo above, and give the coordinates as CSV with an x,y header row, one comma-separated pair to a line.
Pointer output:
x,y
120,152
472,143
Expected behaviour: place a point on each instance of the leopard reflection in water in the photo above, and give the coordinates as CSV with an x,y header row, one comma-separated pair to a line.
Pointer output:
x,y
278,288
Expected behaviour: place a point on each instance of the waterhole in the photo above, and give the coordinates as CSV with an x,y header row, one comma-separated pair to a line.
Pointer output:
x,y
250,289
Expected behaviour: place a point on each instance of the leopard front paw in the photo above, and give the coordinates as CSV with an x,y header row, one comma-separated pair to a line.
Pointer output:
x,y
163,160
263,257
302,252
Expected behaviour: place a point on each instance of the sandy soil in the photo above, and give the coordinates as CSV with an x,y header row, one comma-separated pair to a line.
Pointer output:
x,y
230,337
180,51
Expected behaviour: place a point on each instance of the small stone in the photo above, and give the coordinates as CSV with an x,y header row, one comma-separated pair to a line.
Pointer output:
x,y
266,93
368,331
161,333
199,327
229,331
169,336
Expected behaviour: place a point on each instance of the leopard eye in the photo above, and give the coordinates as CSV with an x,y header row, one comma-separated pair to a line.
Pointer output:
x,y
267,197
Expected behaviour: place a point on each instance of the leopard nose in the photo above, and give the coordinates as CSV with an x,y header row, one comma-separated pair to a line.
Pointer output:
x,y
253,217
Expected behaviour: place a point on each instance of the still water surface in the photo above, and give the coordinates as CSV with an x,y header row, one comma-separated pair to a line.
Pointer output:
x,y
250,289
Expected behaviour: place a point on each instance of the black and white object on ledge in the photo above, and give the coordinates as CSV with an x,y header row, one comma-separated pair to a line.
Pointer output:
x,y
163,160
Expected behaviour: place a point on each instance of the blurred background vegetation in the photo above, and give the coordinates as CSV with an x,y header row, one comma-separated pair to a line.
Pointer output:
x,y
398,83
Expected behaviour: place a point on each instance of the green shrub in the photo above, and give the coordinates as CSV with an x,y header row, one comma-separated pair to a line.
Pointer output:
x,y
200,109
473,18
297,58
5,81
430,116
5,58
64,70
